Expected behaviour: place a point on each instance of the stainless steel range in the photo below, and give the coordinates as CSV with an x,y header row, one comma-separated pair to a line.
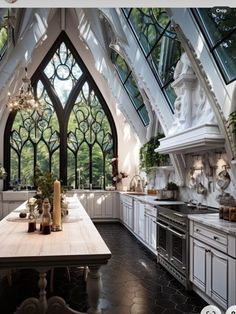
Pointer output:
x,y
173,238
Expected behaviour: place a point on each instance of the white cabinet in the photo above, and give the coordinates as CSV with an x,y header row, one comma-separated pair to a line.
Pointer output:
x,y
211,270
150,227
103,205
139,219
144,224
126,207
12,199
99,204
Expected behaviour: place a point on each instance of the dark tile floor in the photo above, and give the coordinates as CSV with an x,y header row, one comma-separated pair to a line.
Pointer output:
x,y
133,283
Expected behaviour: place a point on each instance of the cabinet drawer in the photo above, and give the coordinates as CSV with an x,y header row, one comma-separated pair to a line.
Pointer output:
x,y
210,236
126,199
150,210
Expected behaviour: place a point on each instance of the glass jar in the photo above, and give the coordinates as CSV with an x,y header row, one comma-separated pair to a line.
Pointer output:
x,y
46,221
31,219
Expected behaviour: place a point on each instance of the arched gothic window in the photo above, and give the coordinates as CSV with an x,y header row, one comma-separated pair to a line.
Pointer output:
x,y
74,137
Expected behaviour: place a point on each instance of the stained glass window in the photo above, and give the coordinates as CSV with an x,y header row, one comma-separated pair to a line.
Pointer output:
x,y
75,128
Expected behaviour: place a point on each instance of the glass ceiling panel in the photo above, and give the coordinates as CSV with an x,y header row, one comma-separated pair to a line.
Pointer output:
x,y
219,29
149,24
130,85
217,26
3,32
159,43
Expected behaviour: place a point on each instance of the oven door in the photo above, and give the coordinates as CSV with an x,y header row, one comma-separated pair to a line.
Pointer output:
x,y
162,239
177,249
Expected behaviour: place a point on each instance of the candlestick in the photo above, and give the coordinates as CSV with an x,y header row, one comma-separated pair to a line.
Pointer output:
x,y
56,224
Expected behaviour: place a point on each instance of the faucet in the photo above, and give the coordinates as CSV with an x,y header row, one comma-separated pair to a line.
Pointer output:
x,y
139,187
193,202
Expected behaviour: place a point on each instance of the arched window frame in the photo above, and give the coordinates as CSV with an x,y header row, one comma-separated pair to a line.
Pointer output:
x,y
62,114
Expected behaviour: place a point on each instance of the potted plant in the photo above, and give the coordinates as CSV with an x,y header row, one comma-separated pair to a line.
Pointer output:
x,y
148,157
172,190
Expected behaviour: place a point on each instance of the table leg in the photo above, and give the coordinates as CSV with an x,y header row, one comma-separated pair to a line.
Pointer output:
x,y
43,304
94,286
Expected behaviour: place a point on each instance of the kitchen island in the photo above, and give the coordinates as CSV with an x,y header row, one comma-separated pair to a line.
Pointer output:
x,y
79,244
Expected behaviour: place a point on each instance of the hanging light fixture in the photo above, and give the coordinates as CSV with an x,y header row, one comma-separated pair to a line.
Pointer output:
x,y
25,100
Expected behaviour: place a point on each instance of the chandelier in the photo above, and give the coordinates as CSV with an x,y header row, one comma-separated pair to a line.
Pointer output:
x,y
25,100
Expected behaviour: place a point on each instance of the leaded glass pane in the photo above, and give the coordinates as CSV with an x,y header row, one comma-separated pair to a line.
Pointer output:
x,y
129,82
34,134
225,52
83,161
164,57
149,24
89,137
171,95
121,66
133,92
3,33
63,72
217,25
98,169
144,115
219,28
27,163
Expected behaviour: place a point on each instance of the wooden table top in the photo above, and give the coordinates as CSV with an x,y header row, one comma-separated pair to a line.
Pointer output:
x,y
79,243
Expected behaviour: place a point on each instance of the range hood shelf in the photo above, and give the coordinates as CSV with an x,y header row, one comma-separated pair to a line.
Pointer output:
x,y
198,138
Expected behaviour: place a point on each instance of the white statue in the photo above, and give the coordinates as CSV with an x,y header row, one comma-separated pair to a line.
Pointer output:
x,y
183,66
191,104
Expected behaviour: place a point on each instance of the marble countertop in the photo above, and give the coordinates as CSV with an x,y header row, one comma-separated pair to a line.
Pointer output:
x,y
213,220
151,199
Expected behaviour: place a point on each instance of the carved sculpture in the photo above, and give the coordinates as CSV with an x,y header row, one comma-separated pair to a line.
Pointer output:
x,y
191,105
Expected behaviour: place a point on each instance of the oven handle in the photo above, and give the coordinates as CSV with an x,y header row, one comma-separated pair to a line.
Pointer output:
x,y
182,236
161,225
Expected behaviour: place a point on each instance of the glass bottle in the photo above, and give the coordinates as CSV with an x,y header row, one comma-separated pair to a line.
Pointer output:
x,y
46,217
31,219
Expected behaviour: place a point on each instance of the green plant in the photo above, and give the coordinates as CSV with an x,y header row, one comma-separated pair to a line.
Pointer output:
x,y
44,182
232,121
148,157
171,186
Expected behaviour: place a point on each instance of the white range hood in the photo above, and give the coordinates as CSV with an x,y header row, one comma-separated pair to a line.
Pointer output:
x,y
195,139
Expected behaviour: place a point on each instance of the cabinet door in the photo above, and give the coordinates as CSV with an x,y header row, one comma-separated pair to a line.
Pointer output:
x,y
141,219
218,279
108,208
130,217
150,231
153,233
90,204
98,205
83,199
198,263
136,216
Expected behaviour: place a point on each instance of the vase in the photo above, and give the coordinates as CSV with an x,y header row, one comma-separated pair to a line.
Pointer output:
x,y
119,186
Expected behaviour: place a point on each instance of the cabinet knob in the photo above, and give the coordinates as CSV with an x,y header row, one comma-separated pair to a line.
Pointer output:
x,y
215,238
198,230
